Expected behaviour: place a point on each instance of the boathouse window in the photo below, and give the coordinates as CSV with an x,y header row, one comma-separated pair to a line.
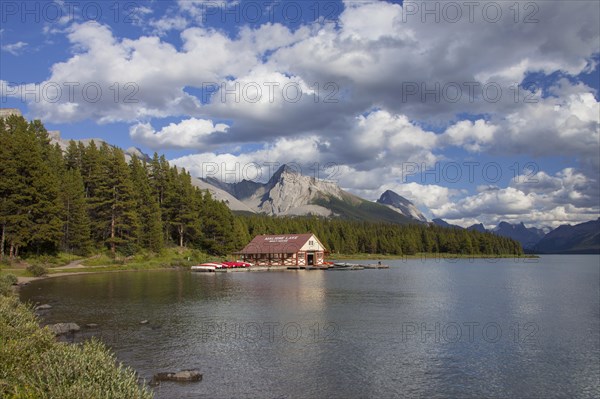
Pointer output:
x,y
311,242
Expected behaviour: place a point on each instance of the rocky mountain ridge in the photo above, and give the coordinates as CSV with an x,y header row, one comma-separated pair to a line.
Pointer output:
x,y
289,193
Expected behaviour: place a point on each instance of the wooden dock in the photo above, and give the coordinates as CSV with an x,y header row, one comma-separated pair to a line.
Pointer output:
x,y
333,267
357,266
324,267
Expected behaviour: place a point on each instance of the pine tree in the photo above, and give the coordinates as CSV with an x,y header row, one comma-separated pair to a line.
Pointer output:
x,y
182,206
217,226
111,199
76,223
10,183
97,191
124,222
150,234
73,155
30,205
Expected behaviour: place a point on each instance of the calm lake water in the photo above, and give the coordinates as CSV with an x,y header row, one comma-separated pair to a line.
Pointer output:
x,y
424,328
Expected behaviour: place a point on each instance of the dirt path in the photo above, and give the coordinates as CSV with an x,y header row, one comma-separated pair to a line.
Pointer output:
x,y
76,264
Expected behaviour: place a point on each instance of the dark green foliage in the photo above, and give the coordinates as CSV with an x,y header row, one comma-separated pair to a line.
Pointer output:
x,y
29,203
150,227
181,203
76,222
37,270
218,227
120,201
89,196
352,237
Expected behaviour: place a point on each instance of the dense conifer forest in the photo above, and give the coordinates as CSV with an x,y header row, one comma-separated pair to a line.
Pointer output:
x,y
92,198
352,237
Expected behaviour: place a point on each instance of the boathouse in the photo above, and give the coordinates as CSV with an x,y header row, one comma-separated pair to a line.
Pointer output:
x,y
284,250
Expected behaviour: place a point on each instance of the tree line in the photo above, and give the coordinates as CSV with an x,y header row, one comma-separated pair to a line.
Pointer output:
x,y
90,198
352,237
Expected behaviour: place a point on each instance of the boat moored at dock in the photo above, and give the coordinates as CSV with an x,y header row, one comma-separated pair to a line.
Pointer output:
x,y
207,267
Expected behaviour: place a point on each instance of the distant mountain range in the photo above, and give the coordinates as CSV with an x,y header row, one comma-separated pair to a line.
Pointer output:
x,y
289,193
583,238
528,237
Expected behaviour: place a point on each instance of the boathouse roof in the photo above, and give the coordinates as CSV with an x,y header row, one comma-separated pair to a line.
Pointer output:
x,y
283,243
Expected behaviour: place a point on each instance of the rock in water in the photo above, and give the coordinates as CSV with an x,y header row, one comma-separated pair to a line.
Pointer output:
x,y
63,328
43,307
180,376
144,322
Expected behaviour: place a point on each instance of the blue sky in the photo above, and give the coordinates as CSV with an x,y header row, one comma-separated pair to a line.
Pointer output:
x,y
476,113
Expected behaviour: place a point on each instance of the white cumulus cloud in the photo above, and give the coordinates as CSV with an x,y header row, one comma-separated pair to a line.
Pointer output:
x,y
189,133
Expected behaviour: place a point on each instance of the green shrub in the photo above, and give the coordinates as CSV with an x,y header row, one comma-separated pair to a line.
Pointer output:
x,y
37,270
35,365
99,260
10,278
6,282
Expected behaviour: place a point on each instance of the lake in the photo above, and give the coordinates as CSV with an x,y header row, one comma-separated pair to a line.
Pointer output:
x,y
423,328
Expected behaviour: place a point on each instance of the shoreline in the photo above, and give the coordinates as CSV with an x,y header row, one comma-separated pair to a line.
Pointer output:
x,y
80,270
25,280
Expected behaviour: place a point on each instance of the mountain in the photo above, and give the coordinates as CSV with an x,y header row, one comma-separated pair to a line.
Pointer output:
x,y
477,227
583,238
401,205
222,195
289,193
64,144
528,237
443,223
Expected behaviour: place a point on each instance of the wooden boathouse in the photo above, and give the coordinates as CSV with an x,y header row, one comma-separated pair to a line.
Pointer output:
x,y
284,250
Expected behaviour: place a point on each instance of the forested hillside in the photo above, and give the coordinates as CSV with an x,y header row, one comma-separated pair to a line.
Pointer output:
x,y
89,199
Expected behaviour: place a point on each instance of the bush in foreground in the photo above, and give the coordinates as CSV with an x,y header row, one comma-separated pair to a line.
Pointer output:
x,y
37,270
35,365
6,283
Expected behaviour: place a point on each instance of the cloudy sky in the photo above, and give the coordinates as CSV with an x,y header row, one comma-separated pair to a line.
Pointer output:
x,y
476,111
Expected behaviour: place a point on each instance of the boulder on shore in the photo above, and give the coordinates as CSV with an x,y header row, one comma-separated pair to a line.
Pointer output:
x,y
180,376
63,328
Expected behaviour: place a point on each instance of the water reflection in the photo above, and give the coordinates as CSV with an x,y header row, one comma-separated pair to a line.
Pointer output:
x,y
421,328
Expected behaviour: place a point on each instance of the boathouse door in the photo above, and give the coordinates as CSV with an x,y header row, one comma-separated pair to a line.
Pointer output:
x,y
310,259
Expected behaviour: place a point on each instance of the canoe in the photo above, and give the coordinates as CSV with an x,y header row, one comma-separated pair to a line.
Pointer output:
x,y
207,267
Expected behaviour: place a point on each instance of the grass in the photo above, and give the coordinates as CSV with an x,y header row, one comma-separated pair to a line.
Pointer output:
x,y
60,259
171,257
21,272
35,365
103,262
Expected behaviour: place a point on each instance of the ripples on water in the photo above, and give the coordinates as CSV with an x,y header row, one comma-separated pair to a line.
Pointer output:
x,y
470,328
